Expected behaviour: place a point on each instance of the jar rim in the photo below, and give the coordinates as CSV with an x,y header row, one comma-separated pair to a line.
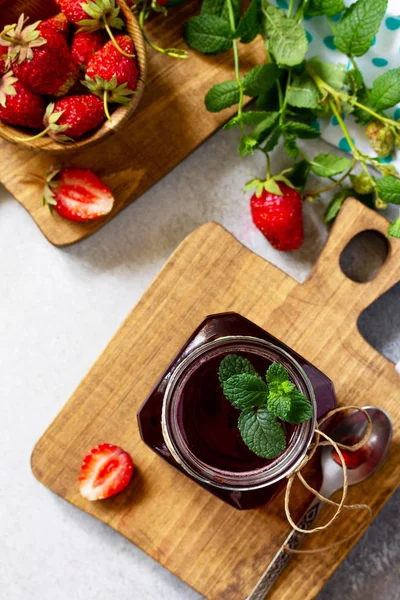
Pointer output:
x,y
284,464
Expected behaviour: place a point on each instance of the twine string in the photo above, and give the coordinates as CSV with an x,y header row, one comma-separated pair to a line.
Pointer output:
x,y
340,506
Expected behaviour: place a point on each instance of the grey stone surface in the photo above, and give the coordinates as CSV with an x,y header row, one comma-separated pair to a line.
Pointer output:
x,y
59,309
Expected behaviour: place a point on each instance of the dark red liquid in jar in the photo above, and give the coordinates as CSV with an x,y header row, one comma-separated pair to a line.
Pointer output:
x,y
149,416
209,422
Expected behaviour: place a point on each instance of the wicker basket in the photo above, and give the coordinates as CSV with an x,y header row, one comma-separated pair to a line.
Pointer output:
x,y
41,9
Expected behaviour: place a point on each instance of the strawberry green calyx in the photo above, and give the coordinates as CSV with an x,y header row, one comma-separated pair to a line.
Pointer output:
x,y
269,185
48,197
20,40
103,14
51,128
98,11
7,87
109,91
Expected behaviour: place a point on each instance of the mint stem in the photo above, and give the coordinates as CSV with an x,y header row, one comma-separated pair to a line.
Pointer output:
x,y
237,63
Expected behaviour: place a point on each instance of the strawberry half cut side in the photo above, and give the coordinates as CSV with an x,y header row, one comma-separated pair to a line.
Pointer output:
x,y
77,194
106,470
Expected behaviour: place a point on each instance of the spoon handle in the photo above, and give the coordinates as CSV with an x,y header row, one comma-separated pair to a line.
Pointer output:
x,y
282,558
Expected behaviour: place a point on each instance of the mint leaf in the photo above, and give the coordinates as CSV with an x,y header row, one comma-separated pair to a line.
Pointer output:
x,y
256,117
222,95
287,39
278,404
272,139
330,8
276,373
208,34
245,390
234,365
356,30
261,130
262,433
385,91
394,229
260,79
249,25
335,205
302,92
291,147
220,8
299,174
300,409
301,130
328,165
389,189
334,74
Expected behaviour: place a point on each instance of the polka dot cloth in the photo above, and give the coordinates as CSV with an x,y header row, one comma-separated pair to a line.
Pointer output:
x,y
384,54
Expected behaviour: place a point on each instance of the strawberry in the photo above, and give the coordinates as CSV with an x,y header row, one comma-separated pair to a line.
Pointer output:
x,y
111,75
19,106
91,14
58,23
41,58
73,116
3,67
279,217
106,470
77,194
85,44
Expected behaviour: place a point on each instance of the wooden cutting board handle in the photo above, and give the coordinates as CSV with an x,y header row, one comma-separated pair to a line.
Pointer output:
x,y
327,273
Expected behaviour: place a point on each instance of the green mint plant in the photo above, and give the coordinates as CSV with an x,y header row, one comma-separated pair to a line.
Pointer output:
x,y
291,91
262,403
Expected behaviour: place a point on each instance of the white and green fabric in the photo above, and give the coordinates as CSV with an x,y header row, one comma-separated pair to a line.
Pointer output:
x,y
384,54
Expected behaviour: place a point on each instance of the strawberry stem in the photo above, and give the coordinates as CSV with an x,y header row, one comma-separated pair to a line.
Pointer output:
x,y
105,102
34,137
114,41
335,183
173,52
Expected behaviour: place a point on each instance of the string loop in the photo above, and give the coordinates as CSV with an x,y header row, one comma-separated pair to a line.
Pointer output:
x,y
340,506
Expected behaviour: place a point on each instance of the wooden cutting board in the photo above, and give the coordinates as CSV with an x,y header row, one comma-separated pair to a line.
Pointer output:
x,y
216,549
170,122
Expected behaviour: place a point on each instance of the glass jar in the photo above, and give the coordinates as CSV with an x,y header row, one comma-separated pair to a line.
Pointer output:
x,y
187,420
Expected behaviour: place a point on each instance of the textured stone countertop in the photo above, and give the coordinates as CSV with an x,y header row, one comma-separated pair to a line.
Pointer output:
x,y
59,309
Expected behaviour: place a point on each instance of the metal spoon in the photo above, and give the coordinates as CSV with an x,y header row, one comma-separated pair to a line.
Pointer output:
x,y
350,430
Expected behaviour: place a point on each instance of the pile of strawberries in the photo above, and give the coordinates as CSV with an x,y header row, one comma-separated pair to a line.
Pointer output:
x,y
61,75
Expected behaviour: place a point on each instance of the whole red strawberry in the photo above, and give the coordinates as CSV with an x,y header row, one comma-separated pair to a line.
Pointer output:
x,y
109,70
58,23
19,106
40,57
73,116
85,44
77,194
280,218
92,14
3,67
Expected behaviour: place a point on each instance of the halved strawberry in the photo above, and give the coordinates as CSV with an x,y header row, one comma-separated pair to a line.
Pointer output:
x,y
77,194
105,471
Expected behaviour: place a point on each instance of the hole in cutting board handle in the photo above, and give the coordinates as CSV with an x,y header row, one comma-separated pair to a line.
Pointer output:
x,y
379,324
364,255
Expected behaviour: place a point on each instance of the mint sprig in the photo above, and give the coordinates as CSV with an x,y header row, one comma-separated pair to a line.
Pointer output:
x,y
292,90
262,404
